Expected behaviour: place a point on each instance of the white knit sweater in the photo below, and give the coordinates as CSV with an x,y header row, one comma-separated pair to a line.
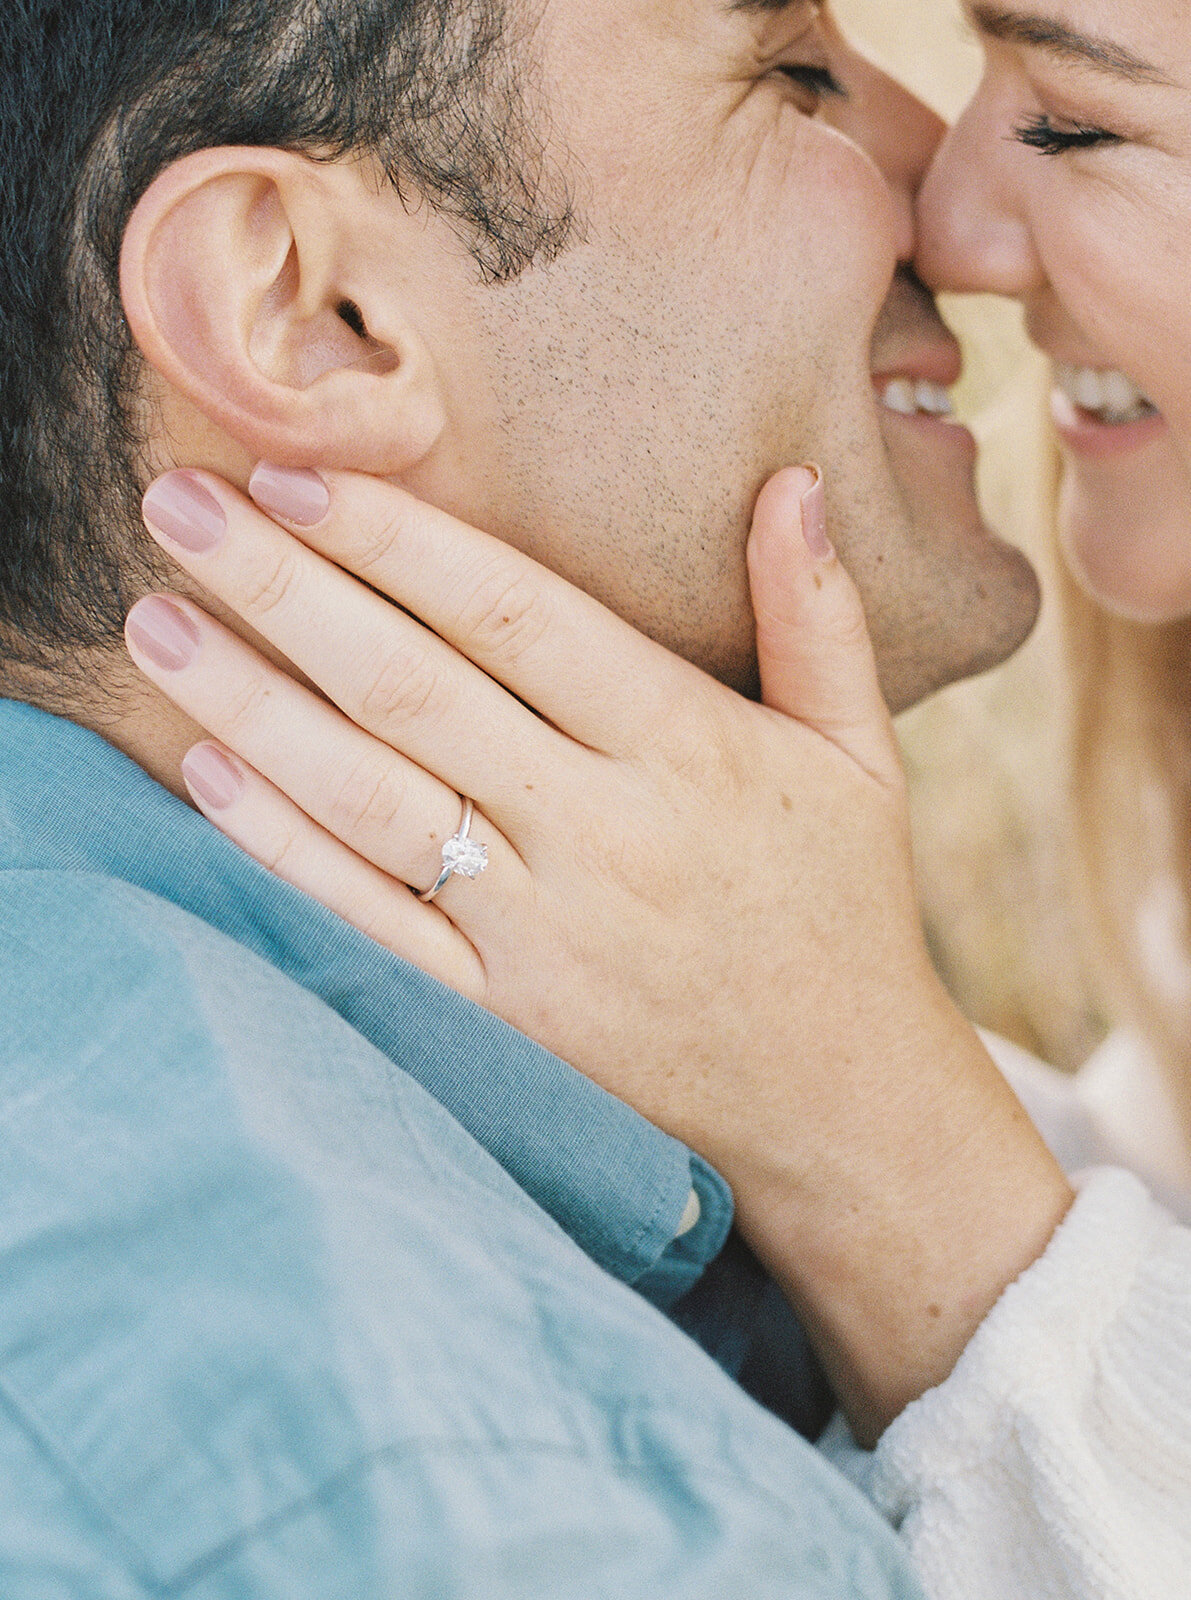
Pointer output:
x,y
1056,1459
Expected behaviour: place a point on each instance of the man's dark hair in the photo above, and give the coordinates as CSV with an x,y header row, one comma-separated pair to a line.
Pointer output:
x,y
97,97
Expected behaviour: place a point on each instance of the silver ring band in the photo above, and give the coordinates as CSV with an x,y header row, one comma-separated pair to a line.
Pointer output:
x,y
460,854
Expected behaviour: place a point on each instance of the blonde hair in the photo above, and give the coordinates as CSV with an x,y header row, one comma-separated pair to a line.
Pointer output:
x,y
1125,690
1130,765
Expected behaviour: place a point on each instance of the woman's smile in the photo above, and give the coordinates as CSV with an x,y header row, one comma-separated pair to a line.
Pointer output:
x,y
1066,184
1102,413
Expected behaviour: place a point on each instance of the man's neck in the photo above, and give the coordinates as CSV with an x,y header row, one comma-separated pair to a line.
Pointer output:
x,y
109,697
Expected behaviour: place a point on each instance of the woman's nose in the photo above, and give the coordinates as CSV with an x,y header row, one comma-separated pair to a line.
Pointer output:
x,y
973,236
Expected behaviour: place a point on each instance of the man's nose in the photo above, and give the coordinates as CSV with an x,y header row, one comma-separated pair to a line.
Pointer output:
x,y
973,236
898,132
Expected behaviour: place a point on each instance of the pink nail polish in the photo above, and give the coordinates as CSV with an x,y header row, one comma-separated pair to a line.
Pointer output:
x,y
182,511
163,632
814,517
212,777
290,493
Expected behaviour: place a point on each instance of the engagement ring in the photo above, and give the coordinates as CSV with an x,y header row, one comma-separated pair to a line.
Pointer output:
x,y
461,855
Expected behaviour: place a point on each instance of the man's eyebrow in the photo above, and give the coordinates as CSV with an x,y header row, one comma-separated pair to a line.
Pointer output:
x,y
1056,39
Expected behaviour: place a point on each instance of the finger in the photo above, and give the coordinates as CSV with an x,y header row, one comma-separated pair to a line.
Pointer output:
x,y
269,827
813,647
388,674
380,805
555,647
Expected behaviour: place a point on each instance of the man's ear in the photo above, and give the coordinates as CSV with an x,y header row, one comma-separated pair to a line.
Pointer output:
x,y
243,289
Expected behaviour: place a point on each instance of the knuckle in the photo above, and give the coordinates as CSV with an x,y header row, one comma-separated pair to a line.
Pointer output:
x,y
268,589
401,688
843,620
505,617
641,870
373,544
245,708
705,766
276,852
368,799
702,751
896,786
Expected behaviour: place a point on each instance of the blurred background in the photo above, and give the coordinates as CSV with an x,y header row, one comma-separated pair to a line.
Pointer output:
x,y
985,758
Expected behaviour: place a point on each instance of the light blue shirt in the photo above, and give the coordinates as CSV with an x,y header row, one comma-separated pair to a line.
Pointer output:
x,y
319,1283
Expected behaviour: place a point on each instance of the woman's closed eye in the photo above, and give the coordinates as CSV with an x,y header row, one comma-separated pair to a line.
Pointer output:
x,y
1040,133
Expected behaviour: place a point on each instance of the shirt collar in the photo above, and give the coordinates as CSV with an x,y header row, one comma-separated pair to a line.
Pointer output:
x,y
618,1185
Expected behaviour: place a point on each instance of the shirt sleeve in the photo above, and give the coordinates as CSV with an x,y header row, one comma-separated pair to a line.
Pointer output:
x,y
1056,1459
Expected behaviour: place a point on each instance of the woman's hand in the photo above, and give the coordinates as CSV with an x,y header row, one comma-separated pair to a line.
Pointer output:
x,y
707,905
655,849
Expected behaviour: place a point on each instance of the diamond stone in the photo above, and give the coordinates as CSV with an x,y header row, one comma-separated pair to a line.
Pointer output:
x,y
466,857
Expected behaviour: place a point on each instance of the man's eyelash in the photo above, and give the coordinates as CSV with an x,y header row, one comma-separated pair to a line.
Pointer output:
x,y
1040,133
819,80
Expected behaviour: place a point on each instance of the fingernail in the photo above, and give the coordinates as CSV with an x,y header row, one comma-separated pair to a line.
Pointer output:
x,y
291,493
214,779
185,513
814,516
162,632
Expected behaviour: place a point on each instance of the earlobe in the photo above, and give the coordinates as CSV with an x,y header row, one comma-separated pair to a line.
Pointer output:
x,y
236,276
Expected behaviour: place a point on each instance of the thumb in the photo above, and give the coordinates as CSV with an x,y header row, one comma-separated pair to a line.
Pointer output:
x,y
815,655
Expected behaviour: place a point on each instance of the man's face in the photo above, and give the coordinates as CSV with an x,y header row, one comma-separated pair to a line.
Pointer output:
x,y
722,313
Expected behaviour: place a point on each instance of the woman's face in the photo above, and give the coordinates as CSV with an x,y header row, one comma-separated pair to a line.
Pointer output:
x,y
1067,183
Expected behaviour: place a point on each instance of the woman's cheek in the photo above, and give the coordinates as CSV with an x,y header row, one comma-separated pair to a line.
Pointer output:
x,y
1125,531
1130,274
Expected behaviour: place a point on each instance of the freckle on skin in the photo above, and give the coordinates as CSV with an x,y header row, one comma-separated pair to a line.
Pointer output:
x,y
818,580
934,1311
787,803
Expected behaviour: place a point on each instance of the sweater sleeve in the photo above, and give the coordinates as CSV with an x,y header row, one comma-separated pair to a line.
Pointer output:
x,y
1055,1461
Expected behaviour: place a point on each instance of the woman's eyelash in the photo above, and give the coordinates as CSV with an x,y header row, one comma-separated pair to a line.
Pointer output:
x,y
819,80
1041,134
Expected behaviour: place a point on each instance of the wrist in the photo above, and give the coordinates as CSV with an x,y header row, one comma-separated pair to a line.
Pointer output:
x,y
896,1240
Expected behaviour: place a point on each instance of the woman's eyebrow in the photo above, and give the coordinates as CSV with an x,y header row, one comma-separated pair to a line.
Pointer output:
x,y
1057,39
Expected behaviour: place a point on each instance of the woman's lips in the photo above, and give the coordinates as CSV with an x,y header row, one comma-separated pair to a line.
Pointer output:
x,y
1089,433
1100,411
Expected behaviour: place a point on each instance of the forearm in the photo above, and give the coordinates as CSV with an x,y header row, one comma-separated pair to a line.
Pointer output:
x,y
894,1245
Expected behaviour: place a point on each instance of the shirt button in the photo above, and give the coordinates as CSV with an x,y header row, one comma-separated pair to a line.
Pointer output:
x,y
690,1216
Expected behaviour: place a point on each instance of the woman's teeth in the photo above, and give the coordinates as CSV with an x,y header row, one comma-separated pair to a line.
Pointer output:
x,y
910,396
1111,397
